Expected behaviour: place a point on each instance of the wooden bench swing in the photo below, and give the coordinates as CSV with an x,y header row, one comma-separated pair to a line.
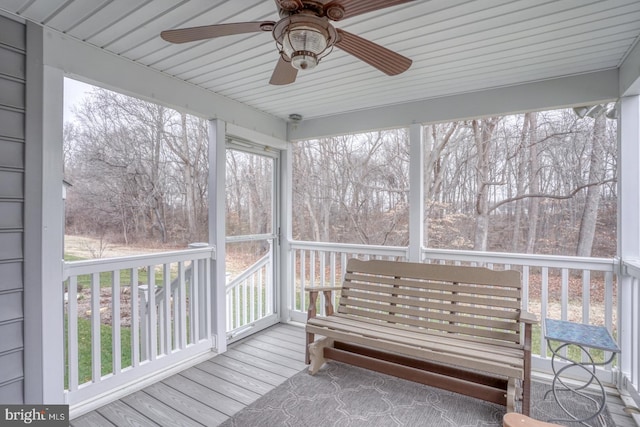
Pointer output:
x,y
457,328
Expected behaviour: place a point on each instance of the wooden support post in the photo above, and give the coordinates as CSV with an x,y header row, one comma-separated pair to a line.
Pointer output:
x,y
526,382
311,313
511,395
328,303
316,352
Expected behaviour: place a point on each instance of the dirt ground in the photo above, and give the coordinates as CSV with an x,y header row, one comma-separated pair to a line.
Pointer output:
x,y
84,305
91,248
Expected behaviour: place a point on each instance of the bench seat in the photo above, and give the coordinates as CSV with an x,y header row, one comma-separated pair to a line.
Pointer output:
x,y
486,357
457,328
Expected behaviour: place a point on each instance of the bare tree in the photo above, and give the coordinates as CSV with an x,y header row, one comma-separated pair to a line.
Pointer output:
x,y
352,188
126,156
482,136
189,144
535,182
499,183
249,193
531,119
596,175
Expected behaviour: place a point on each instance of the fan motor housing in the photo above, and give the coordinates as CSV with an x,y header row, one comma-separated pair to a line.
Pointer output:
x,y
321,24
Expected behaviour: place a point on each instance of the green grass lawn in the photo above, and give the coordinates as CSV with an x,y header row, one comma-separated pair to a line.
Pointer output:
x,y
84,280
106,356
84,340
125,275
84,326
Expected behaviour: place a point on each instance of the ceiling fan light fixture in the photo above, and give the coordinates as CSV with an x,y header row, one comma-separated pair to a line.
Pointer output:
x,y
304,35
304,39
304,60
304,44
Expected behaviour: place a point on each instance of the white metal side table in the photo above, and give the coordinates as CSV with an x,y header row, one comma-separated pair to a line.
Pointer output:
x,y
584,337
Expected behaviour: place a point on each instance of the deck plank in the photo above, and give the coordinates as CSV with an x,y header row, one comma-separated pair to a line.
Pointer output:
x,y
209,397
92,419
289,334
285,338
264,353
230,376
123,415
298,348
246,369
208,393
275,350
297,329
185,404
224,387
254,358
158,411
616,406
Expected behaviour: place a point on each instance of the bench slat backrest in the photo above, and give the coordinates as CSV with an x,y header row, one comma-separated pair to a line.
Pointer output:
x,y
476,303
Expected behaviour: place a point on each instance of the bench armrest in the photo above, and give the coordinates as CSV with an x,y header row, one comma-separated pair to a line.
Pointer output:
x,y
313,297
322,288
527,317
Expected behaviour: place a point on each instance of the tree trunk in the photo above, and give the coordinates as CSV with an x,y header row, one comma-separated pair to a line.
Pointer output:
x,y
428,176
534,184
188,181
596,170
156,188
434,158
520,164
482,133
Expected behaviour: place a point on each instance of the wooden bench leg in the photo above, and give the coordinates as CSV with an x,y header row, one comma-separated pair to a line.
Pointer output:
x,y
526,381
518,390
512,390
310,339
526,396
316,354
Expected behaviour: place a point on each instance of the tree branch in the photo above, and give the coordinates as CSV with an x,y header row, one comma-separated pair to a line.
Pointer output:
x,y
550,196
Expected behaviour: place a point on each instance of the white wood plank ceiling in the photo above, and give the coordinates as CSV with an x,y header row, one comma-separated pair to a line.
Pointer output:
x,y
457,46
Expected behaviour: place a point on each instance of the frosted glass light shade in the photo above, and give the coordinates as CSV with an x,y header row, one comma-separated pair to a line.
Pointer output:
x,y
303,44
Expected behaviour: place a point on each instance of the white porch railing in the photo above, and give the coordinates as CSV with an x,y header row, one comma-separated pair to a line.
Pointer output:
x,y
118,332
133,337
629,303
250,296
568,288
322,264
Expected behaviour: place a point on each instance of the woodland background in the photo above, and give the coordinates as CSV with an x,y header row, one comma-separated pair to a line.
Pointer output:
x,y
539,182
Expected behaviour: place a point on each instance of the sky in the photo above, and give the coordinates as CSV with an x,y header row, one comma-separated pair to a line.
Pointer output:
x,y
74,92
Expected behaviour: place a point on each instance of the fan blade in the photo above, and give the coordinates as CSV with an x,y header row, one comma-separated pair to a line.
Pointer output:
x,y
385,60
183,35
358,7
284,73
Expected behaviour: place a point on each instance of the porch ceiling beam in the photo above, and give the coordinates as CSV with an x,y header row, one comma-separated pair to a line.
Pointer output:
x,y
630,73
584,89
94,65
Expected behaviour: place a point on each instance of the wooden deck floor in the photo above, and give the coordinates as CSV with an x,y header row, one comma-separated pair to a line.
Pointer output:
x,y
211,392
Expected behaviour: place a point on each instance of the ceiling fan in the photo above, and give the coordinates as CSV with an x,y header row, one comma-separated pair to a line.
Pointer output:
x,y
304,36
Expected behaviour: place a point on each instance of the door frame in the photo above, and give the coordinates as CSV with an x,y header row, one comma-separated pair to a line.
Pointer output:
x,y
253,148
